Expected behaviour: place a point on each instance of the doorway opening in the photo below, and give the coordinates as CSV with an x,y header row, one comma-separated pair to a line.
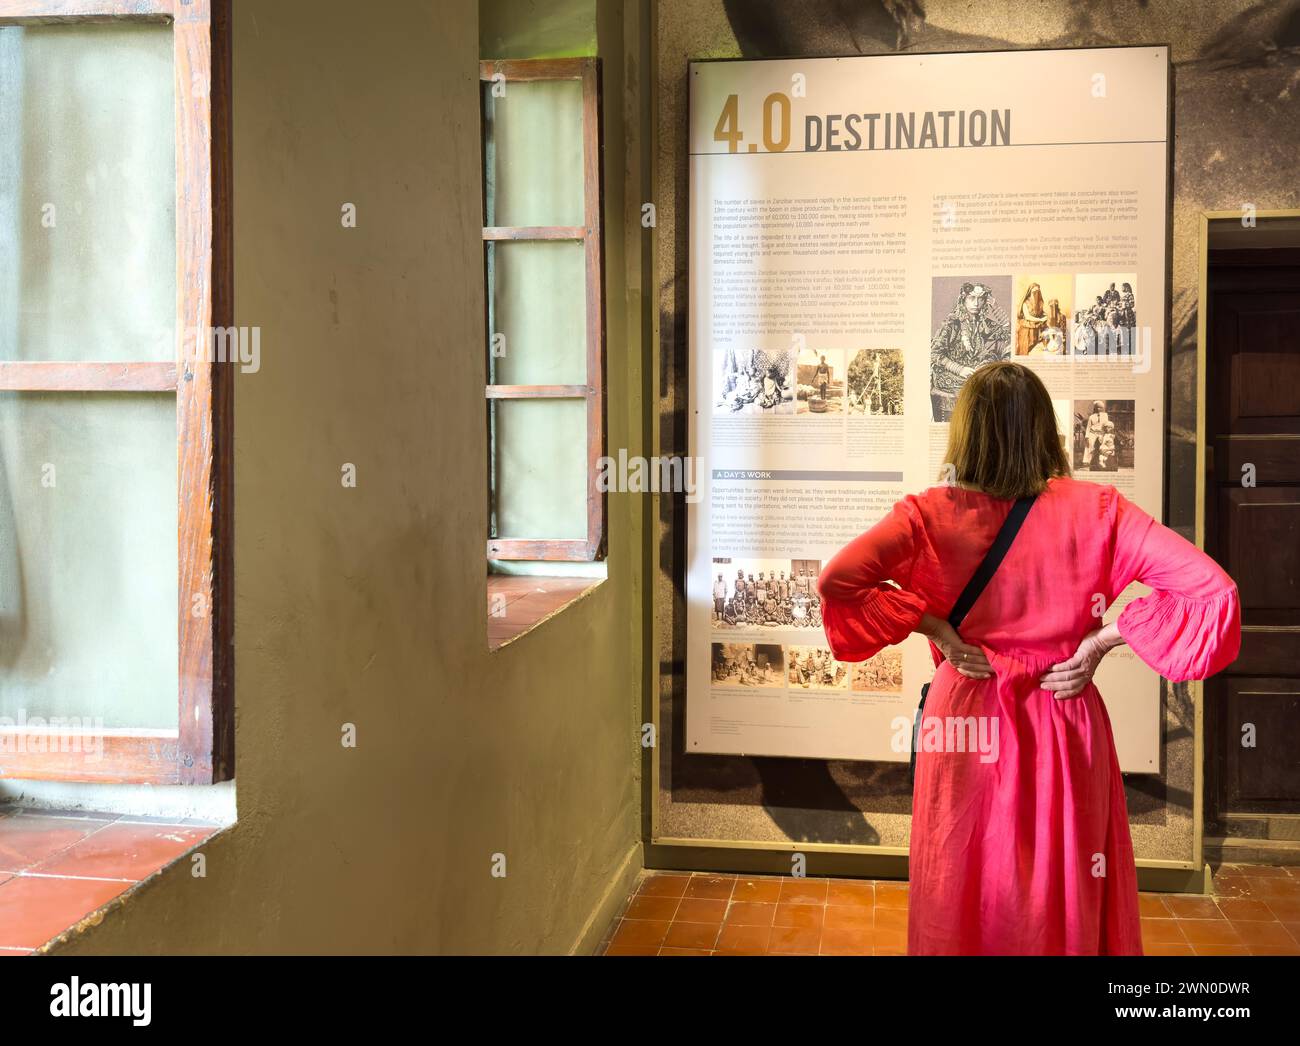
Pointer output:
x,y
1250,523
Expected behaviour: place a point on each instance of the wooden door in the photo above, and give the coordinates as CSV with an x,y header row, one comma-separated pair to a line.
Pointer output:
x,y
1253,529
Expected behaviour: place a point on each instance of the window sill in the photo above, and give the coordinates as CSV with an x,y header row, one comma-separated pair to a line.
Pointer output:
x,y
57,868
517,604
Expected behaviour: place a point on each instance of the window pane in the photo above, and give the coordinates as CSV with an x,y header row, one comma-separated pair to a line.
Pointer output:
x,y
537,302
88,557
533,153
540,478
87,193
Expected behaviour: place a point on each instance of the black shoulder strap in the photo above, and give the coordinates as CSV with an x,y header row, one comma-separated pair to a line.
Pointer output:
x,y
992,559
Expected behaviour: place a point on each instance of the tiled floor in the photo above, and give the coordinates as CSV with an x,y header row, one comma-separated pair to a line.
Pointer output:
x,y
1256,911
57,868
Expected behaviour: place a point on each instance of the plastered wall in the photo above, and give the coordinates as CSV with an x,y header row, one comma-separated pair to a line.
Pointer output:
x,y
367,605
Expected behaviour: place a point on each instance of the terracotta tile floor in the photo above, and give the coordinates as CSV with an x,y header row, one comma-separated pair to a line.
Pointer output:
x,y
517,603
1256,911
57,868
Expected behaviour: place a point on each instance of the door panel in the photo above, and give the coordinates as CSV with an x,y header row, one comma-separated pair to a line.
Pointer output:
x,y
1252,711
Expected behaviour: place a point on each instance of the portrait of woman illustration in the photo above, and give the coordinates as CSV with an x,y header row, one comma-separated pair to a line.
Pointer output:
x,y
1028,852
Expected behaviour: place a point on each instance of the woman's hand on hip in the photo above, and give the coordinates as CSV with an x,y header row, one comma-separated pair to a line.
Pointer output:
x,y
1068,678
966,659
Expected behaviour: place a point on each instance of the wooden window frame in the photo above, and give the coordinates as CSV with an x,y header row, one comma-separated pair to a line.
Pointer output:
x,y
591,235
201,749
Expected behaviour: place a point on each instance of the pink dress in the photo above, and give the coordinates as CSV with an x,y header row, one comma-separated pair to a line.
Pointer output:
x,y
1028,853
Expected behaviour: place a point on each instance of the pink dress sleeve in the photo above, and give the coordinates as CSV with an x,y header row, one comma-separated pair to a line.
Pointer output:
x,y
1189,627
862,613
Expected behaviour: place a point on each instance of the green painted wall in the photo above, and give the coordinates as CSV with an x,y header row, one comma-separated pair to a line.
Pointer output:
x,y
539,28
368,605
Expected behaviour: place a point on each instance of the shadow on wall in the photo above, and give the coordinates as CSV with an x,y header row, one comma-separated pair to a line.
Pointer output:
x,y
1233,30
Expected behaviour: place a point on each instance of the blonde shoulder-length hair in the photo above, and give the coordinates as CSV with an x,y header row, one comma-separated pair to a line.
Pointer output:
x,y
1002,437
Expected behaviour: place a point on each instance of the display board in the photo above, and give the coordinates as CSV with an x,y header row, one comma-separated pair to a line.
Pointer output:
x,y
863,232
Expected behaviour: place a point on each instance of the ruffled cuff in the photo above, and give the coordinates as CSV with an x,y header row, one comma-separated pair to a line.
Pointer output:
x,y
859,630
1184,638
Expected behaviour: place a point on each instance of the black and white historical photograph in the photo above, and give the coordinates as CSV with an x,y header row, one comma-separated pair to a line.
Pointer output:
x,y
875,383
1105,316
821,381
971,327
754,381
815,668
882,674
766,593
748,664
1103,435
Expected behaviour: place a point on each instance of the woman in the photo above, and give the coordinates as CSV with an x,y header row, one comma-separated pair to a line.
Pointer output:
x,y
1027,852
1055,317
1031,320
977,331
